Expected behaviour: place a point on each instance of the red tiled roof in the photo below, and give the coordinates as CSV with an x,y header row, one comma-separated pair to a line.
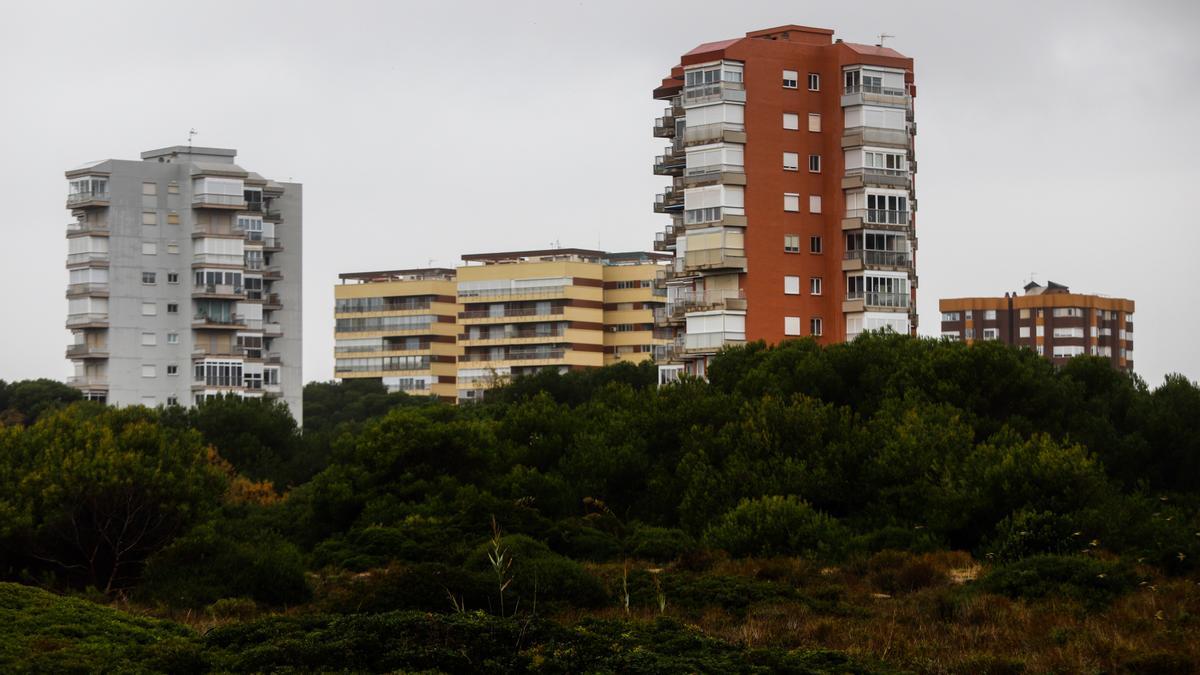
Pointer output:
x,y
872,50
711,47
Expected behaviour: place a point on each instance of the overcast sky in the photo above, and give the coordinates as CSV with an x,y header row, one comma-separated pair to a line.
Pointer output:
x,y
1056,138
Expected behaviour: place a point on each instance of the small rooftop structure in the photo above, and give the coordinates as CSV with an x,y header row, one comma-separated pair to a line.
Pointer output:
x,y
416,274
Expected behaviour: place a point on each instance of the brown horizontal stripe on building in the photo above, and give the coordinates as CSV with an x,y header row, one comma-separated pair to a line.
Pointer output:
x,y
583,347
585,325
584,281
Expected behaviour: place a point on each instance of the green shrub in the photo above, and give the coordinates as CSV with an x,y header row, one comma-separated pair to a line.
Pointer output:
x,y
1087,580
416,539
921,540
537,572
207,565
659,544
1027,532
430,587
776,525
577,540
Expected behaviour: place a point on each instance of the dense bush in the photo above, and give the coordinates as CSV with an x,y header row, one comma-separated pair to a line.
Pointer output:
x,y
1085,579
776,526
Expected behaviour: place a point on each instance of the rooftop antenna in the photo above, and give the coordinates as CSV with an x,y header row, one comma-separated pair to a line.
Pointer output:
x,y
191,133
882,37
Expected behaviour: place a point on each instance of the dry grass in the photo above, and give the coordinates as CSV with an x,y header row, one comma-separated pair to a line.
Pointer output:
x,y
944,626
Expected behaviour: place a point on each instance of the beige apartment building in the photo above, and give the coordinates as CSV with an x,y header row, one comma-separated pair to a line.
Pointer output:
x,y
398,327
456,333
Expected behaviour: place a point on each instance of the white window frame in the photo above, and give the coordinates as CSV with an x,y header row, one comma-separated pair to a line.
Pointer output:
x,y
791,121
791,202
791,79
791,285
814,164
814,285
791,325
814,203
816,327
149,248
791,161
149,309
814,82
814,122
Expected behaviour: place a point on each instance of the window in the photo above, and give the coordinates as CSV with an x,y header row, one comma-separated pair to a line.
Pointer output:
x,y
1025,314
1023,331
1041,350
1068,312
172,400
149,339
150,309
791,121
1041,331
789,79
815,245
791,325
951,316
150,189
991,334
1076,332
173,249
791,201
149,370
814,122
814,326
814,203
814,164
814,286
969,314
791,285
791,243
149,218
149,278
989,315
172,338
172,218
172,308
172,370
791,161
814,82
172,277
1068,350
149,248
172,188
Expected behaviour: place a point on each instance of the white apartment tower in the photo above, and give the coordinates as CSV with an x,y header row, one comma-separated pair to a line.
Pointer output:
x,y
184,280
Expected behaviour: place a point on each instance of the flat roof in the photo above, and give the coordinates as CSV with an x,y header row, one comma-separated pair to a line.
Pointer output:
x,y
585,253
400,275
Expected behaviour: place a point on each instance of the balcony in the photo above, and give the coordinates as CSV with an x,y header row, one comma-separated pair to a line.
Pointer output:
x,y
88,320
89,289
515,355
700,301
873,177
665,240
669,200
272,244
87,351
272,329
714,91
716,132
77,228
708,343
225,352
878,219
231,322
92,382
86,199
510,312
211,200
857,300
671,162
272,301
664,127
859,136
713,174
88,258
860,258
860,94
715,259
219,292
272,273
272,357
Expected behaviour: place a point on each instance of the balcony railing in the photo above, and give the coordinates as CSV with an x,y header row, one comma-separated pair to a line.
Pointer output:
x,y
530,292
81,198
710,133
879,176
714,91
711,341
879,216
696,301
272,329
87,257
214,199
273,272
88,288
882,258
271,300
88,381
513,335
517,311
83,350
219,289
231,320
85,318
514,355
879,299
715,257
873,89
86,228
228,351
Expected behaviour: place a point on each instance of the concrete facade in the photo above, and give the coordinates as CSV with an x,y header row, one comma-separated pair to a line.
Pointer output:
x,y
184,280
